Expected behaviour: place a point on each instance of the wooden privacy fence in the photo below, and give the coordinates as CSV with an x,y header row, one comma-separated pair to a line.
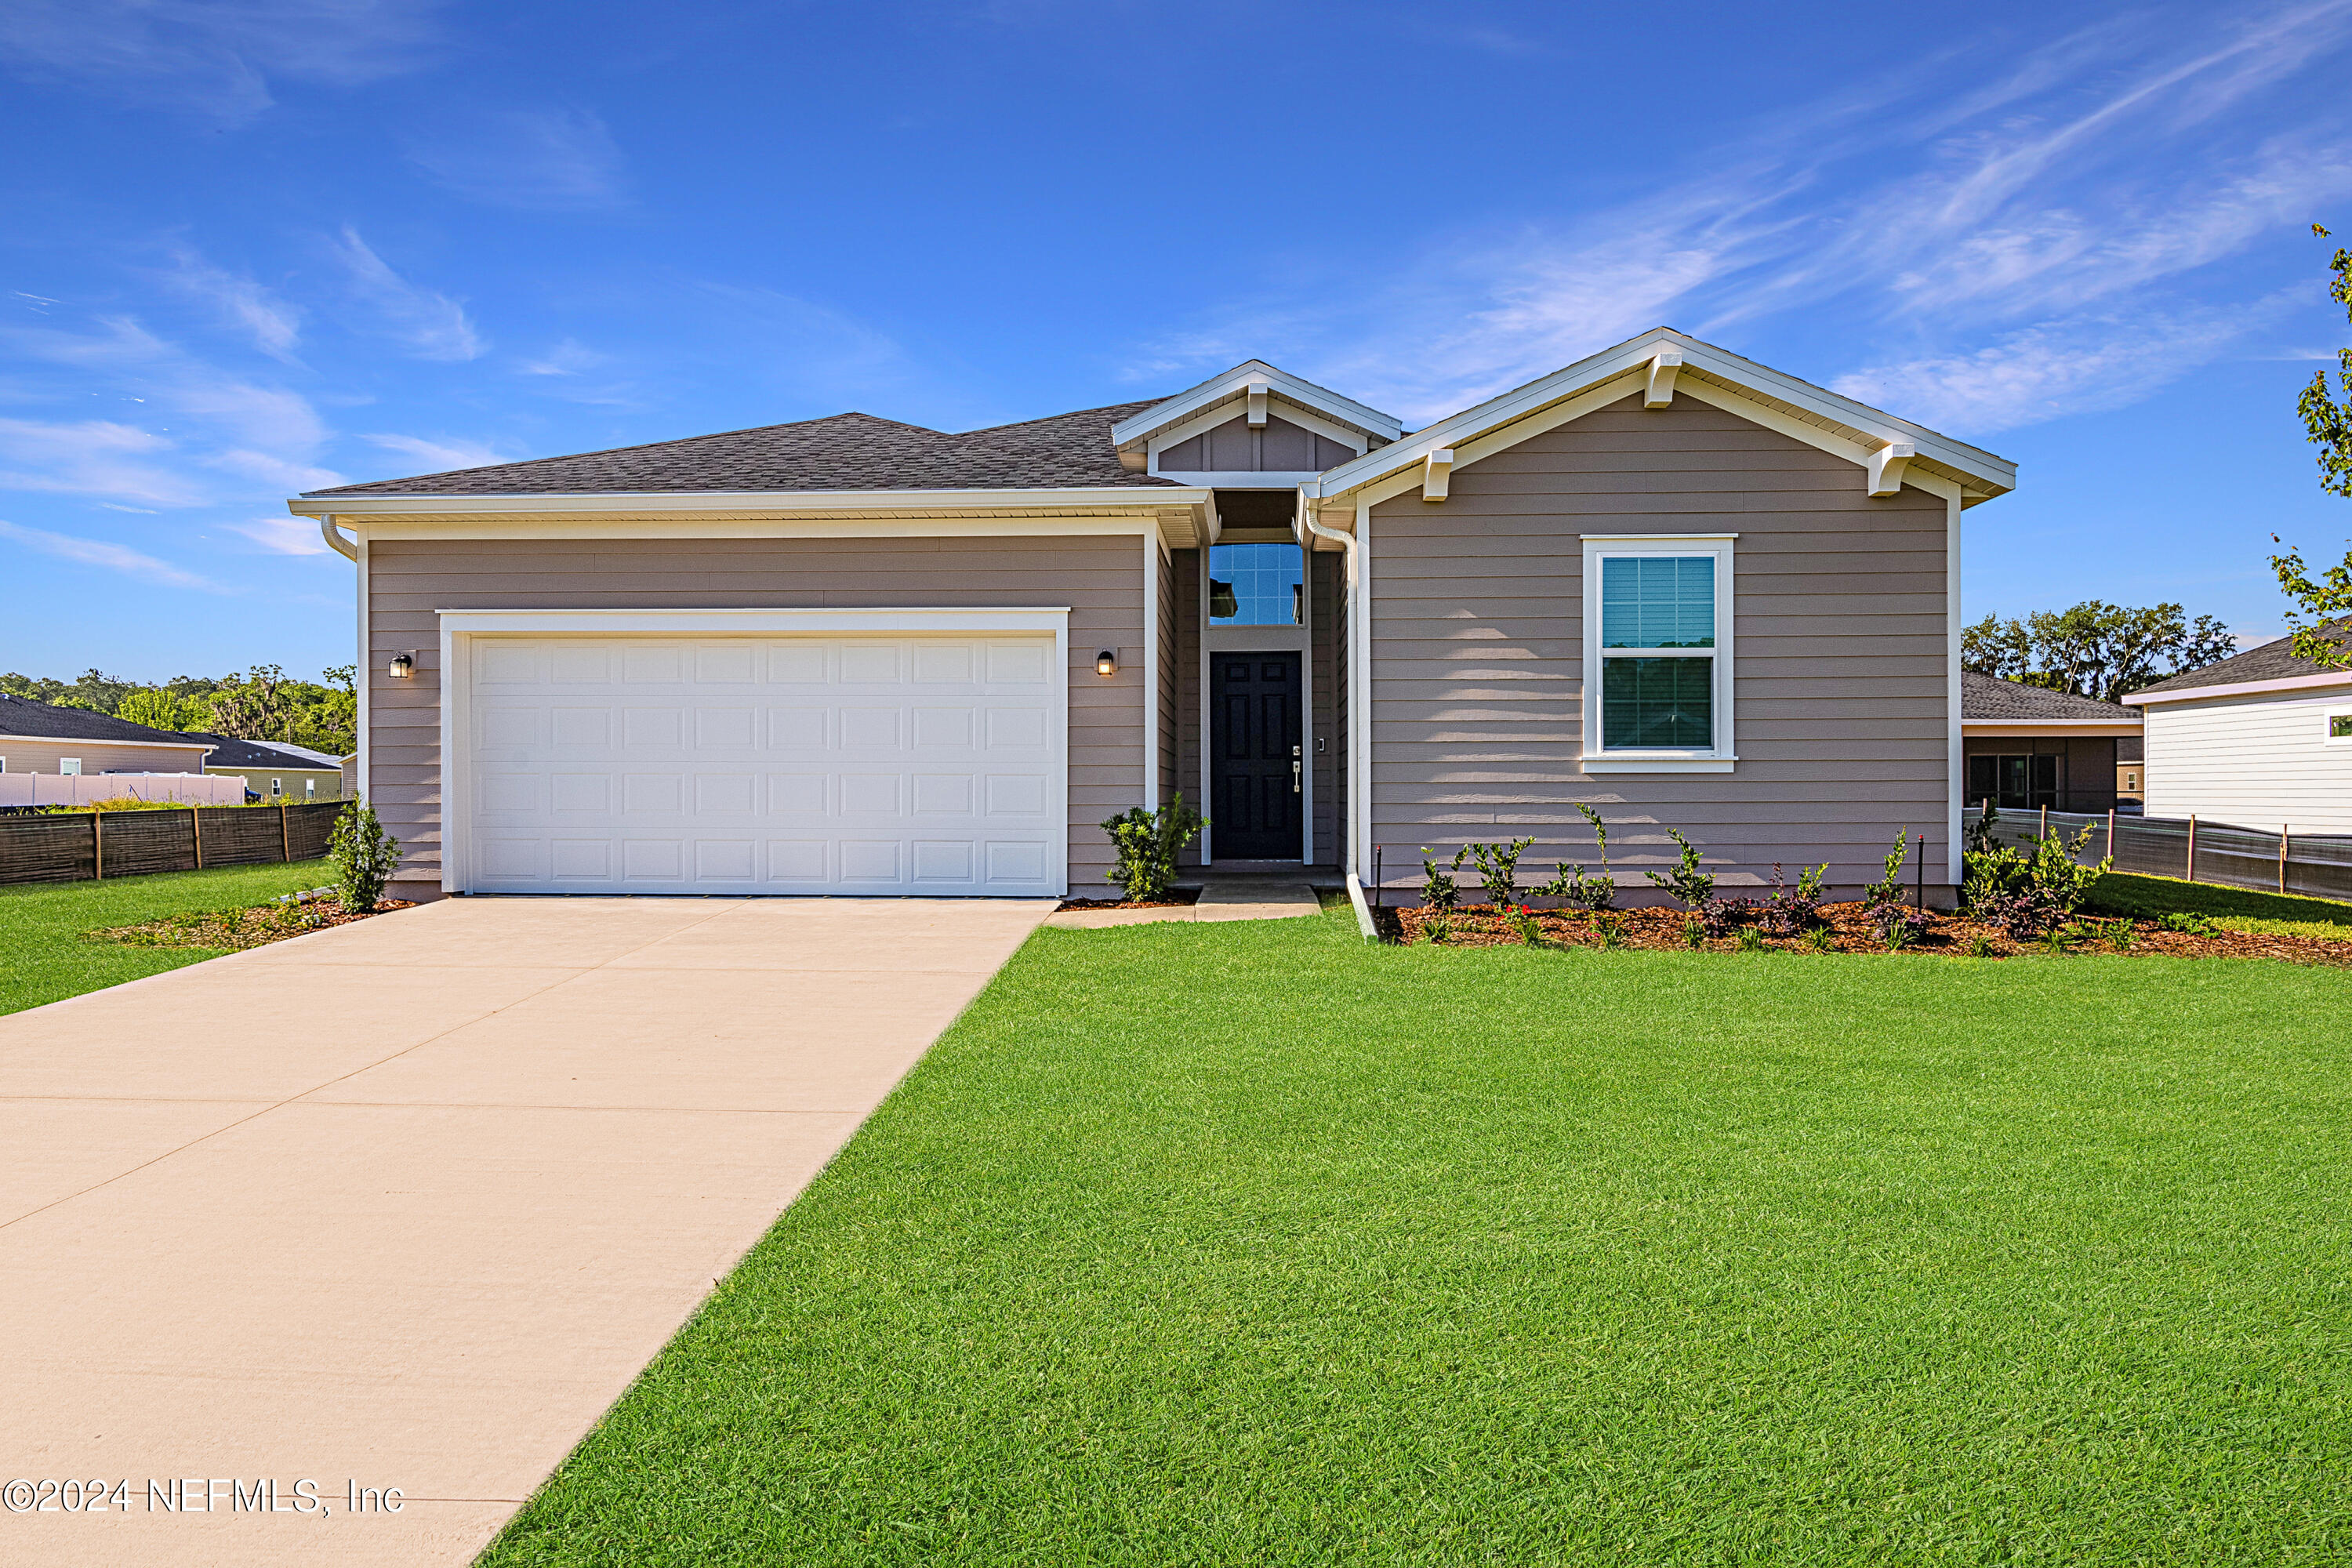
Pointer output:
x,y
75,847
2312,864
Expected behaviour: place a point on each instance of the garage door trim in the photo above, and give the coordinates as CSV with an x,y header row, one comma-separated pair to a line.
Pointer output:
x,y
462,628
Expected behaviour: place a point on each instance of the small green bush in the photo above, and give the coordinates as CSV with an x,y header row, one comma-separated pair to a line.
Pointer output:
x,y
365,856
1148,843
1438,890
1694,932
1751,939
1498,870
1688,884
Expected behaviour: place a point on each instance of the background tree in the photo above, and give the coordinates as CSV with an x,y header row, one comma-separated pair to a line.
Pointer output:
x,y
2095,650
2323,601
262,704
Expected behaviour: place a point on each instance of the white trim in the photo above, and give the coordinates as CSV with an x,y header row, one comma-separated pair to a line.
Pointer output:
x,y
1233,383
1179,529
1436,471
1954,719
1849,428
204,747
1659,390
1201,625
1307,707
1086,498
1886,465
363,781
1983,728
1223,415
2326,718
1150,674
1486,444
1254,401
1361,830
460,628
1716,757
1242,478
2241,688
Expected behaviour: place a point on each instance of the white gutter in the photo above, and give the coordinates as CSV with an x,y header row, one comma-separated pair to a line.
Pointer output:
x,y
334,538
1088,498
1359,683
2243,687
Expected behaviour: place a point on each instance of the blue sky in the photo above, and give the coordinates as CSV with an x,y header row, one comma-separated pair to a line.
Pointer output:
x,y
264,246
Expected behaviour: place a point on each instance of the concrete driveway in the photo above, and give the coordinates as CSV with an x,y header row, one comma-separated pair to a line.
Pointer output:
x,y
409,1202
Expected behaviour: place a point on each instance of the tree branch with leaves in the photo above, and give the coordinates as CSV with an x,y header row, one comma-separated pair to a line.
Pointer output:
x,y
2324,599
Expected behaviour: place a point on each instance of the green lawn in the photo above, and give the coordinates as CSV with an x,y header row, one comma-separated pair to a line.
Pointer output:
x,y
2144,898
1251,1244
42,956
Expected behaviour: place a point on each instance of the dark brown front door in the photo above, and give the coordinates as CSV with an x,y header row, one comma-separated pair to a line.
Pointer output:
x,y
1255,766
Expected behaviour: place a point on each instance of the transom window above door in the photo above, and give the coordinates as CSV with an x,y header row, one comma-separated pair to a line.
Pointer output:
x,y
1256,585
1657,648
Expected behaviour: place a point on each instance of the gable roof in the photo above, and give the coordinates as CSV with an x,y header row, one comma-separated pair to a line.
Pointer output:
x,y
1132,432
231,753
840,452
1989,698
1798,408
2270,663
23,717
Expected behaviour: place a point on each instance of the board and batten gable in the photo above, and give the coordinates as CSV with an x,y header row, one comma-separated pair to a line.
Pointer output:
x,y
2263,759
1098,576
1842,653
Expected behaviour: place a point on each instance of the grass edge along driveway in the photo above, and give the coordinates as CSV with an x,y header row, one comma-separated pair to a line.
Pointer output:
x,y
1252,1243
44,957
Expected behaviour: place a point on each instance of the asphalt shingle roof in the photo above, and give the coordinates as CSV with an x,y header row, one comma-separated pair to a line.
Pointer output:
x,y
231,753
1987,697
841,452
2271,661
39,721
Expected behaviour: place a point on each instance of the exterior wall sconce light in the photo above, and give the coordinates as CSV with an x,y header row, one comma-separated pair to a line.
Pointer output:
x,y
403,665
1107,663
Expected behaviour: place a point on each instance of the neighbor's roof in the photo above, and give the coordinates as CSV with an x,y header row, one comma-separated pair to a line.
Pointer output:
x,y
1989,698
2271,661
841,452
231,753
40,721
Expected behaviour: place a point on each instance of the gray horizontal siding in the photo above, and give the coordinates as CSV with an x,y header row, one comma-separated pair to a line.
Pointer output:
x,y
1099,577
1841,645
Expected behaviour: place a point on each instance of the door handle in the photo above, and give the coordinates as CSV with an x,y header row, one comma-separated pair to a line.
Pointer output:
x,y
1294,770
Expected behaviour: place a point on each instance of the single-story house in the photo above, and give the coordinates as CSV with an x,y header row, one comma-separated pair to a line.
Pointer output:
x,y
2262,740
2131,770
275,769
855,655
2028,746
37,737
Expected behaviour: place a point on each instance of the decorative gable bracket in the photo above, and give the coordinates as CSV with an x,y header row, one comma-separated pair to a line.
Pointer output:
x,y
1257,394
1886,466
1436,473
1660,392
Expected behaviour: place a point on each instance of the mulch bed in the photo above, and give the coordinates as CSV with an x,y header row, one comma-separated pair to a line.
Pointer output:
x,y
1947,935
236,930
1177,898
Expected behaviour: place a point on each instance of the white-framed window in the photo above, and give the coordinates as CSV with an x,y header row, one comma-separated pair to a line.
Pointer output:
x,y
2339,726
309,789
277,787
70,767
1657,653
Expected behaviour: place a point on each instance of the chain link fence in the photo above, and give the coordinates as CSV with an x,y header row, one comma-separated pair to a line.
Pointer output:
x,y
2312,864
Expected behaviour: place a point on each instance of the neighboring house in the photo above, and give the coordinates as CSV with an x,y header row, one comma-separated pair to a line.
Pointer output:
x,y
852,655
275,768
2131,770
35,738
2028,747
2260,741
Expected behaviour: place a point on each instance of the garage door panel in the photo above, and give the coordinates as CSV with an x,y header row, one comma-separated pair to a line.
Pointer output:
x,y
909,764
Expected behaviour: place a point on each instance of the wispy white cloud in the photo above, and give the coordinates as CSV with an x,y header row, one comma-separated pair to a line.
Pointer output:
x,y
432,324
2063,222
283,535
112,557
215,58
545,160
439,457
570,357
90,456
274,324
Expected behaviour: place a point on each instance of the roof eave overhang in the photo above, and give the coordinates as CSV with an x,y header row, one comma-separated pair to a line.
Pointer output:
x,y
2055,727
1135,430
2283,684
1837,423
110,741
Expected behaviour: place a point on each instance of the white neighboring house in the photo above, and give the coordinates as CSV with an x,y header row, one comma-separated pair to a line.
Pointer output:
x,y
2260,741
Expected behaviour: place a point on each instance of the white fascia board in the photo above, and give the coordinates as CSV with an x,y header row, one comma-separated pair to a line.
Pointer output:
x,y
2240,689
724,622
1245,478
1233,385
1223,413
1982,728
205,746
1016,502
1853,424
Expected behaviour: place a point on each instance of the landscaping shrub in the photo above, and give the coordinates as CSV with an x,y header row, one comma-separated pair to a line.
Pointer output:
x,y
1686,883
1897,923
1793,910
1148,843
1498,870
1572,887
1437,888
365,855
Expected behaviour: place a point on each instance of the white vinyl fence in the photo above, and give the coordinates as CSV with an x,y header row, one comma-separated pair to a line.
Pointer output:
x,y
82,789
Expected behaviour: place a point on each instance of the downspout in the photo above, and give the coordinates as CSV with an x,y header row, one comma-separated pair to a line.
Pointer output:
x,y
335,540
1359,709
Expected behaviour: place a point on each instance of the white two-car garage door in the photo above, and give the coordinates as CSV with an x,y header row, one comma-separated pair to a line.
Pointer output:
x,y
929,766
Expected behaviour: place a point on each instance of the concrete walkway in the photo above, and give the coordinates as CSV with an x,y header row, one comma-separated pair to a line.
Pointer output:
x,y
409,1202
1271,898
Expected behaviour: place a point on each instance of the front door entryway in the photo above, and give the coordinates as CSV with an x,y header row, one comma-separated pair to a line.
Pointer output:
x,y
1255,770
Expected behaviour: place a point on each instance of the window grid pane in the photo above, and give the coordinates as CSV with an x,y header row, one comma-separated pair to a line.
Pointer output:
x,y
1657,703
1658,601
1254,585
